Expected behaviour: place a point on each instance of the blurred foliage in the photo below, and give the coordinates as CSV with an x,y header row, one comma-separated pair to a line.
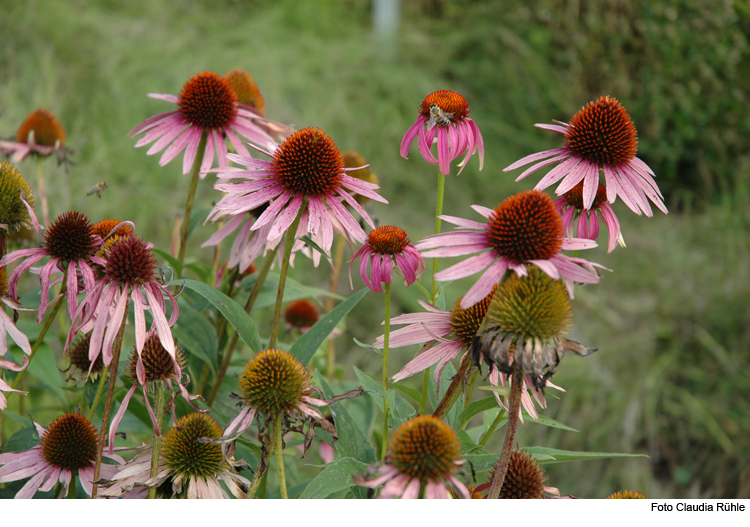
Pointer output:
x,y
680,67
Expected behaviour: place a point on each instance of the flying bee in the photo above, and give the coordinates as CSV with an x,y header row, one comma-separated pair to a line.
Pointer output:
x,y
98,189
438,116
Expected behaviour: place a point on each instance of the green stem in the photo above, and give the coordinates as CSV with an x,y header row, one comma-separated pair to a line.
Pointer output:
x,y
279,449
433,289
72,488
191,195
44,330
510,434
386,339
425,389
42,192
454,389
255,483
493,426
161,413
104,429
288,243
470,389
248,308
99,391
338,260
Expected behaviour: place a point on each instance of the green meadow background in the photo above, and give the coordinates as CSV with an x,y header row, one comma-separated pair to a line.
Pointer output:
x,y
672,322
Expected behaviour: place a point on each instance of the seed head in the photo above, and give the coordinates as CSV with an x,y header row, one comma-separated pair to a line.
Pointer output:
x,y
603,133
208,101
157,362
526,226
466,322
47,129
449,102
78,354
130,262
246,90
104,227
309,163
13,186
524,480
301,313
424,448
70,442
185,455
70,238
274,382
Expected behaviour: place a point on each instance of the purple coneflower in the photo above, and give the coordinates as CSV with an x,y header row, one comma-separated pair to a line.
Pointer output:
x,y
189,466
275,383
570,206
601,136
454,330
524,229
207,102
249,96
306,167
67,447
301,314
70,243
155,365
129,272
40,134
445,113
385,248
422,451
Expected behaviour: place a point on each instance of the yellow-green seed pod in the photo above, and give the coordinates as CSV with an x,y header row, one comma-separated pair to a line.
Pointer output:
x,y
13,186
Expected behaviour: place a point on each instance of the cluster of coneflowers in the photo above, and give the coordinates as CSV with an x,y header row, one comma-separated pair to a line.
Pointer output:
x,y
287,192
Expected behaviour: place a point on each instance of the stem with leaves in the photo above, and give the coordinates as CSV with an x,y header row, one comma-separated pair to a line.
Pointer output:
x,y
248,308
104,429
288,243
191,195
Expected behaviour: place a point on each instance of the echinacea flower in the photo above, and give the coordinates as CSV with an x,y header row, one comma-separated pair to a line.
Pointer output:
x,y
525,479
445,113
600,137
423,451
525,327
248,94
385,248
78,357
306,170
157,368
275,383
70,243
301,314
570,207
13,190
129,272
524,229
66,448
207,103
40,134
454,330
190,466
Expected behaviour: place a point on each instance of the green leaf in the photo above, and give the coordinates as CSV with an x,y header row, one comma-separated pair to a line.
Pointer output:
x,y
232,311
411,392
352,442
475,408
173,262
553,455
309,343
502,390
197,217
293,290
44,368
309,241
197,335
22,440
367,346
546,421
337,476
203,272
400,409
